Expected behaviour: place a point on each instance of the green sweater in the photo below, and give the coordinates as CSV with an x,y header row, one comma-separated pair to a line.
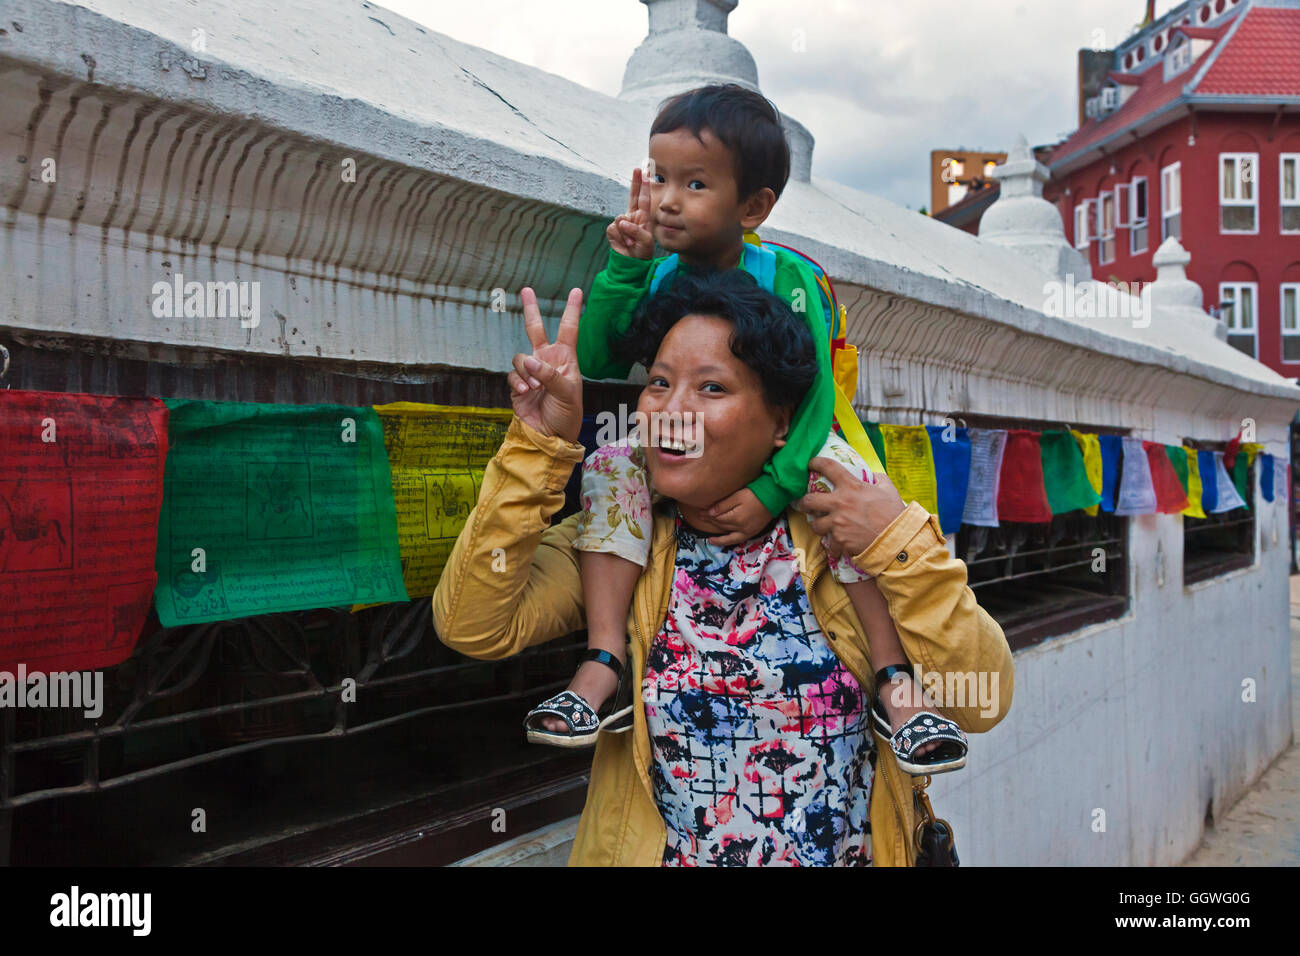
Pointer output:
x,y
620,287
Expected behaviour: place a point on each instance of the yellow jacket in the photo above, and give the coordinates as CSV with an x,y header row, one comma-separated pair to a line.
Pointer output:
x,y
513,581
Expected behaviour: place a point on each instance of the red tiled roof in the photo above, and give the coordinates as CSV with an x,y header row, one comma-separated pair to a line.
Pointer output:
x,y
1152,93
1261,59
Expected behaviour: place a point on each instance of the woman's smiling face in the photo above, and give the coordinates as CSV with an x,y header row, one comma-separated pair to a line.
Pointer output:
x,y
699,393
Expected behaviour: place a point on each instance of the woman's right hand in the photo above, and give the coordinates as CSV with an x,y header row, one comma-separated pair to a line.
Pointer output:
x,y
629,234
546,386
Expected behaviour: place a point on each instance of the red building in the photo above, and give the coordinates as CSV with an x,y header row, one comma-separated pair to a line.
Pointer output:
x,y
1192,130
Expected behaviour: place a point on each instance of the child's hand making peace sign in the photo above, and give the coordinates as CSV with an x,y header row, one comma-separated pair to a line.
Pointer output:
x,y
629,234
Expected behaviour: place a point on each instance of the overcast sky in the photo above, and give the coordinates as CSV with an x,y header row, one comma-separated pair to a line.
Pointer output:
x,y
880,82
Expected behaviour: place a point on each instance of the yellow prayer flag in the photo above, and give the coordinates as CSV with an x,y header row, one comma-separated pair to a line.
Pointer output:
x,y
1091,448
909,462
1194,490
1251,449
437,454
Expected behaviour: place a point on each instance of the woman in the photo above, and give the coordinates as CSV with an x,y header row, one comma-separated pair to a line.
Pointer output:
x,y
749,673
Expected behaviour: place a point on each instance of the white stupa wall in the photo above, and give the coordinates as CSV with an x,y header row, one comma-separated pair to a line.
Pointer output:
x,y
474,176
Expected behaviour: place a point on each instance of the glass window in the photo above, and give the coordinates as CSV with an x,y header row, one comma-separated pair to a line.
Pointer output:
x,y
1106,229
1171,201
1237,204
1291,321
1289,186
1137,195
1081,225
1237,303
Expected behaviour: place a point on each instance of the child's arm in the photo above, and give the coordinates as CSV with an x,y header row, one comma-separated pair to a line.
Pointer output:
x,y
785,476
620,286
615,294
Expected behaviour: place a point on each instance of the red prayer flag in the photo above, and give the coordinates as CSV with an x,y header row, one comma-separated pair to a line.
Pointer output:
x,y
1230,451
1170,496
81,481
1021,493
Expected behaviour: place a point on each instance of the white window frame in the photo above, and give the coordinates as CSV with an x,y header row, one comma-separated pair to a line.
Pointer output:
x,y
1123,202
1173,172
1240,185
1178,58
1136,224
1294,289
1283,201
1233,320
1104,237
1081,237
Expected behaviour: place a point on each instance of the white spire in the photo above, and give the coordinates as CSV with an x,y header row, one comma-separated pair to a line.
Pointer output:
x,y
687,47
1021,219
1176,298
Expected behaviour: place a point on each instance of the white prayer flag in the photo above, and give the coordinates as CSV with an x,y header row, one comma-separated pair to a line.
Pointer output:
x,y
1137,493
1226,490
987,445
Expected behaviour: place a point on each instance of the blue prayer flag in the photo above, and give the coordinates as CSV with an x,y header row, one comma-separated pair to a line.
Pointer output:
x,y
951,472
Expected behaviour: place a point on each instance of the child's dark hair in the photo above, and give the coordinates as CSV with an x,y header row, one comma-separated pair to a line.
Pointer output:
x,y
745,122
768,336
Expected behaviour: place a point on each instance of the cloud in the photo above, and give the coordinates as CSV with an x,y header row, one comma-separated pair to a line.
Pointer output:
x,y
879,84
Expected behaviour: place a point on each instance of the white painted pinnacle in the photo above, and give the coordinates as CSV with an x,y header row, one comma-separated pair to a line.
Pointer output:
x,y
687,46
1176,298
1021,219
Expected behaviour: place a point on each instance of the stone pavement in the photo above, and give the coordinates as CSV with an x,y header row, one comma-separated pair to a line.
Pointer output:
x,y
1263,827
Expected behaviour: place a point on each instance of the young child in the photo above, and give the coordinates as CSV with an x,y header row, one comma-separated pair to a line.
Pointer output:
x,y
718,163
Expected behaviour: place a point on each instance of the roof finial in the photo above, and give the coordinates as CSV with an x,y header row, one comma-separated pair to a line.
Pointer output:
x,y
687,46
1023,220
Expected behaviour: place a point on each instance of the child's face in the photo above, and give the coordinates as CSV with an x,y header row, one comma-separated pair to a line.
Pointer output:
x,y
695,208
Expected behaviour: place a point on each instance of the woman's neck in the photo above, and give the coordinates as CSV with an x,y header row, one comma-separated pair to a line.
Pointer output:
x,y
698,518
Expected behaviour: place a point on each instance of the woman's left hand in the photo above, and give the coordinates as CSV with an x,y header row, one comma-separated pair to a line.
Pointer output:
x,y
855,512
546,386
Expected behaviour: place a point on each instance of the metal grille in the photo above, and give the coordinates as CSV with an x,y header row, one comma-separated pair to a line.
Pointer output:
x,y
1043,579
1219,543
246,720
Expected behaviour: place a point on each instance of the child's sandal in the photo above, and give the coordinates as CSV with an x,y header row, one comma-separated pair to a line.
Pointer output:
x,y
583,722
921,728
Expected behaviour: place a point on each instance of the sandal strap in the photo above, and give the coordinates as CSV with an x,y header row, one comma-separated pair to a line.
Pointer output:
x,y
606,658
567,706
887,673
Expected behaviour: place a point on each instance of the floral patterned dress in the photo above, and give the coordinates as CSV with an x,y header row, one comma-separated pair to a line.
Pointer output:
x,y
761,737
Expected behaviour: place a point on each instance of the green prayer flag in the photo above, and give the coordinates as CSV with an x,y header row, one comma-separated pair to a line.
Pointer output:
x,y
1064,474
877,440
1177,455
1241,474
272,508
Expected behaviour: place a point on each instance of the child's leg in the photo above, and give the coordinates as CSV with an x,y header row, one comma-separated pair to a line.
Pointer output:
x,y
883,646
903,696
616,499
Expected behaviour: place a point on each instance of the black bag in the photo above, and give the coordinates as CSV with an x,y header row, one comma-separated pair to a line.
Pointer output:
x,y
933,838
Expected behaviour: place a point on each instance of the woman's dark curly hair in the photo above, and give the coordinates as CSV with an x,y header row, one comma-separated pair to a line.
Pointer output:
x,y
768,336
